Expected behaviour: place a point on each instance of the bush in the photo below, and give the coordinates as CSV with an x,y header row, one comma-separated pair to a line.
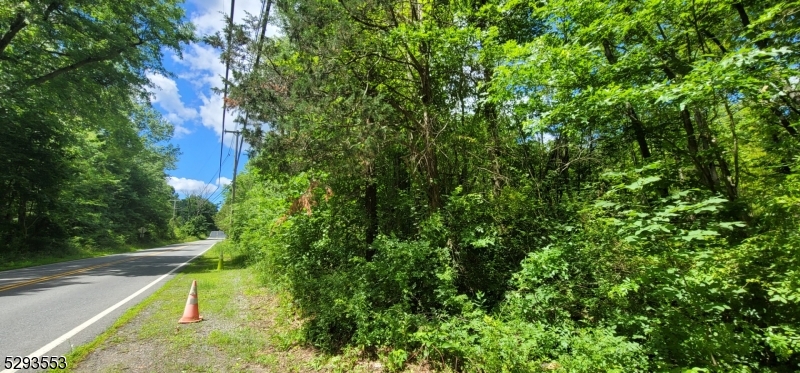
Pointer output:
x,y
349,300
648,277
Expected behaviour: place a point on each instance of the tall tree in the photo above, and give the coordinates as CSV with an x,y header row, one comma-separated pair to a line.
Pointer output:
x,y
527,186
72,77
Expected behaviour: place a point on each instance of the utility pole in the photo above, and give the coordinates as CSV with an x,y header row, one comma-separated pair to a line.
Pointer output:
x,y
236,149
174,202
224,110
233,187
239,144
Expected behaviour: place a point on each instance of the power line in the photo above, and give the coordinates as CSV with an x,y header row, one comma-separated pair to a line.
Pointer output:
x,y
218,183
233,182
216,176
240,144
213,176
217,193
204,164
225,88
220,174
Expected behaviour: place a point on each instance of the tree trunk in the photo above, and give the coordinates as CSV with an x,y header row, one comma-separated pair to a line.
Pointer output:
x,y
636,123
371,204
490,114
762,44
784,122
707,178
710,143
371,207
21,215
638,131
431,163
428,122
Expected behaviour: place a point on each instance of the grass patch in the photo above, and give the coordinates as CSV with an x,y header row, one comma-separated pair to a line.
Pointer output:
x,y
247,327
81,252
231,338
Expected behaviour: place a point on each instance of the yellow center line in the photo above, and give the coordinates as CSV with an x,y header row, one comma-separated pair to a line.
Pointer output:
x,y
76,271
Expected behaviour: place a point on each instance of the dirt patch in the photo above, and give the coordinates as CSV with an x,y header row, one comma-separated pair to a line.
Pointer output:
x,y
126,351
148,356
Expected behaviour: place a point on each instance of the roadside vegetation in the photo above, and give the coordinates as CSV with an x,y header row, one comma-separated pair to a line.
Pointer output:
x,y
193,221
63,255
148,338
247,327
83,155
508,186
481,186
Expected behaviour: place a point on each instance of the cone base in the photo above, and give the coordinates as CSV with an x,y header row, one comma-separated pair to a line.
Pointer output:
x,y
186,320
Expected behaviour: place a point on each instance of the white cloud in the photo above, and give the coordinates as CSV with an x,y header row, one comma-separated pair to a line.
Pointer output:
x,y
208,17
211,113
181,131
202,60
204,66
207,22
188,186
211,118
165,94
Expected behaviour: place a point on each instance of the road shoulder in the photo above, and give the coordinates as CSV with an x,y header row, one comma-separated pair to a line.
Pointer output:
x,y
245,328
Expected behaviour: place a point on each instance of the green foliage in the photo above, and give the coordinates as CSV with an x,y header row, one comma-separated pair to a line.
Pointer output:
x,y
350,300
484,343
83,153
195,217
565,185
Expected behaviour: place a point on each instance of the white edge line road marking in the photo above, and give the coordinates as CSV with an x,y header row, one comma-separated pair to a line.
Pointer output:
x,y
100,315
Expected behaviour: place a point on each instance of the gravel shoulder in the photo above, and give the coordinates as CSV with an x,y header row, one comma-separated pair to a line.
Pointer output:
x,y
246,328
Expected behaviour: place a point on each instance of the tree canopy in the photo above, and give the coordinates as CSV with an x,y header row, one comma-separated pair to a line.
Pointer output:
x,y
83,155
195,215
523,186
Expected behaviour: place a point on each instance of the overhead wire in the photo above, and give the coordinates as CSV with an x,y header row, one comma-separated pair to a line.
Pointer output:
x,y
225,86
202,166
263,20
211,181
219,183
218,173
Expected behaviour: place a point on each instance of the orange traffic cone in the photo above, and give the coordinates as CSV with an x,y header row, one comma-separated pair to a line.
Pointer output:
x,y
191,313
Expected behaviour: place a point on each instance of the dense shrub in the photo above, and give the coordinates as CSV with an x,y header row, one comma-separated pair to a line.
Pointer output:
x,y
561,185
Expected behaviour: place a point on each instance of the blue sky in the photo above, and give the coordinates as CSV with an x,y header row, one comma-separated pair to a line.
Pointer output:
x,y
186,100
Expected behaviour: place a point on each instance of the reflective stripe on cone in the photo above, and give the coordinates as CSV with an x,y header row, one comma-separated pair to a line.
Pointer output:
x,y
191,313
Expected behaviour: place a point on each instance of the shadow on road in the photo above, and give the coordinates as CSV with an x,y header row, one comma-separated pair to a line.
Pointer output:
x,y
154,266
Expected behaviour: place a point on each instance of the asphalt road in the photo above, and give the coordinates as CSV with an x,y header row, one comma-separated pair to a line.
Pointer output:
x,y
46,310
